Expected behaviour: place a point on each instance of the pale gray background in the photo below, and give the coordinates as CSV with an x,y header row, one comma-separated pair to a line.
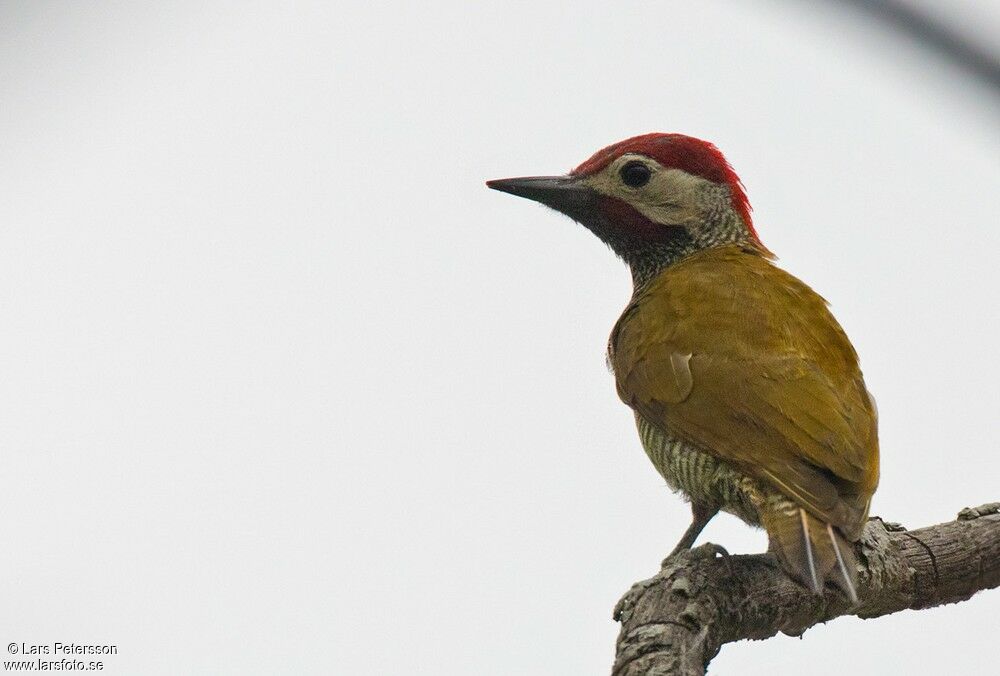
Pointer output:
x,y
286,389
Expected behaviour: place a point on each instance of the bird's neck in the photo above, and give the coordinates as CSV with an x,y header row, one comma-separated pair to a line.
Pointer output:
x,y
647,264
718,227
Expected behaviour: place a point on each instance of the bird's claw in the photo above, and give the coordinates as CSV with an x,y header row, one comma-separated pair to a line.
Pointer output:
x,y
709,550
713,551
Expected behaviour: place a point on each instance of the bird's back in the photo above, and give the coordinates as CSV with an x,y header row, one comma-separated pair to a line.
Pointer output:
x,y
731,355
738,357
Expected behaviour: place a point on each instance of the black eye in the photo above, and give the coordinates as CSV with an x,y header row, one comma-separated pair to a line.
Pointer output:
x,y
635,174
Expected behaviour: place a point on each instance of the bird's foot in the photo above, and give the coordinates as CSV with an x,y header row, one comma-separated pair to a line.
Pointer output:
x,y
709,550
678,557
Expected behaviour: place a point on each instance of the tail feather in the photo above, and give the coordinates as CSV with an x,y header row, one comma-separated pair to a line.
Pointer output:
x,y
807,546
844,553
811,551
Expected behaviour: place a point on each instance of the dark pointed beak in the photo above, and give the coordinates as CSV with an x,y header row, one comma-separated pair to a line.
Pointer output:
x,y
567,194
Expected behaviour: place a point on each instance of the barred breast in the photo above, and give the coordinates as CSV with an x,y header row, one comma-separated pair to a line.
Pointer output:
x,y
702,477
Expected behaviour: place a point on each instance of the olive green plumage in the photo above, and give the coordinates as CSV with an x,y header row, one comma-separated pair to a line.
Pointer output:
x,y
739,360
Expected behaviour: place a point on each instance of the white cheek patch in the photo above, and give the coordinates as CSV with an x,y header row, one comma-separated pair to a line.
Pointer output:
x,y
671,196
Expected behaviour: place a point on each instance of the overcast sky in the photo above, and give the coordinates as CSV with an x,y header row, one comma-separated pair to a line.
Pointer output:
x,y
286,389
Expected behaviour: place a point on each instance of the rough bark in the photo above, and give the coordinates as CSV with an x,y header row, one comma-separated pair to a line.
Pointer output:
x,y
676,621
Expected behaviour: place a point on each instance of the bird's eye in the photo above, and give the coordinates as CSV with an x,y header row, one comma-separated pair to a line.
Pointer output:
x,y
635,174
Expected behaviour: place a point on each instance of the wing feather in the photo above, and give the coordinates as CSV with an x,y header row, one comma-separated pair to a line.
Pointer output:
x,y
737,356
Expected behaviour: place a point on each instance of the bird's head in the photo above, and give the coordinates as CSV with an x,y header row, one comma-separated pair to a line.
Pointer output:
x,y
653,198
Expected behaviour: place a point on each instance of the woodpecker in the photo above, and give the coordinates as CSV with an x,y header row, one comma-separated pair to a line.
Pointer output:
x,y
746,391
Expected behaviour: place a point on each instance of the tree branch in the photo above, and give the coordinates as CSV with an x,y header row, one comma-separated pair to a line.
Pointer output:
x,y
676,621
